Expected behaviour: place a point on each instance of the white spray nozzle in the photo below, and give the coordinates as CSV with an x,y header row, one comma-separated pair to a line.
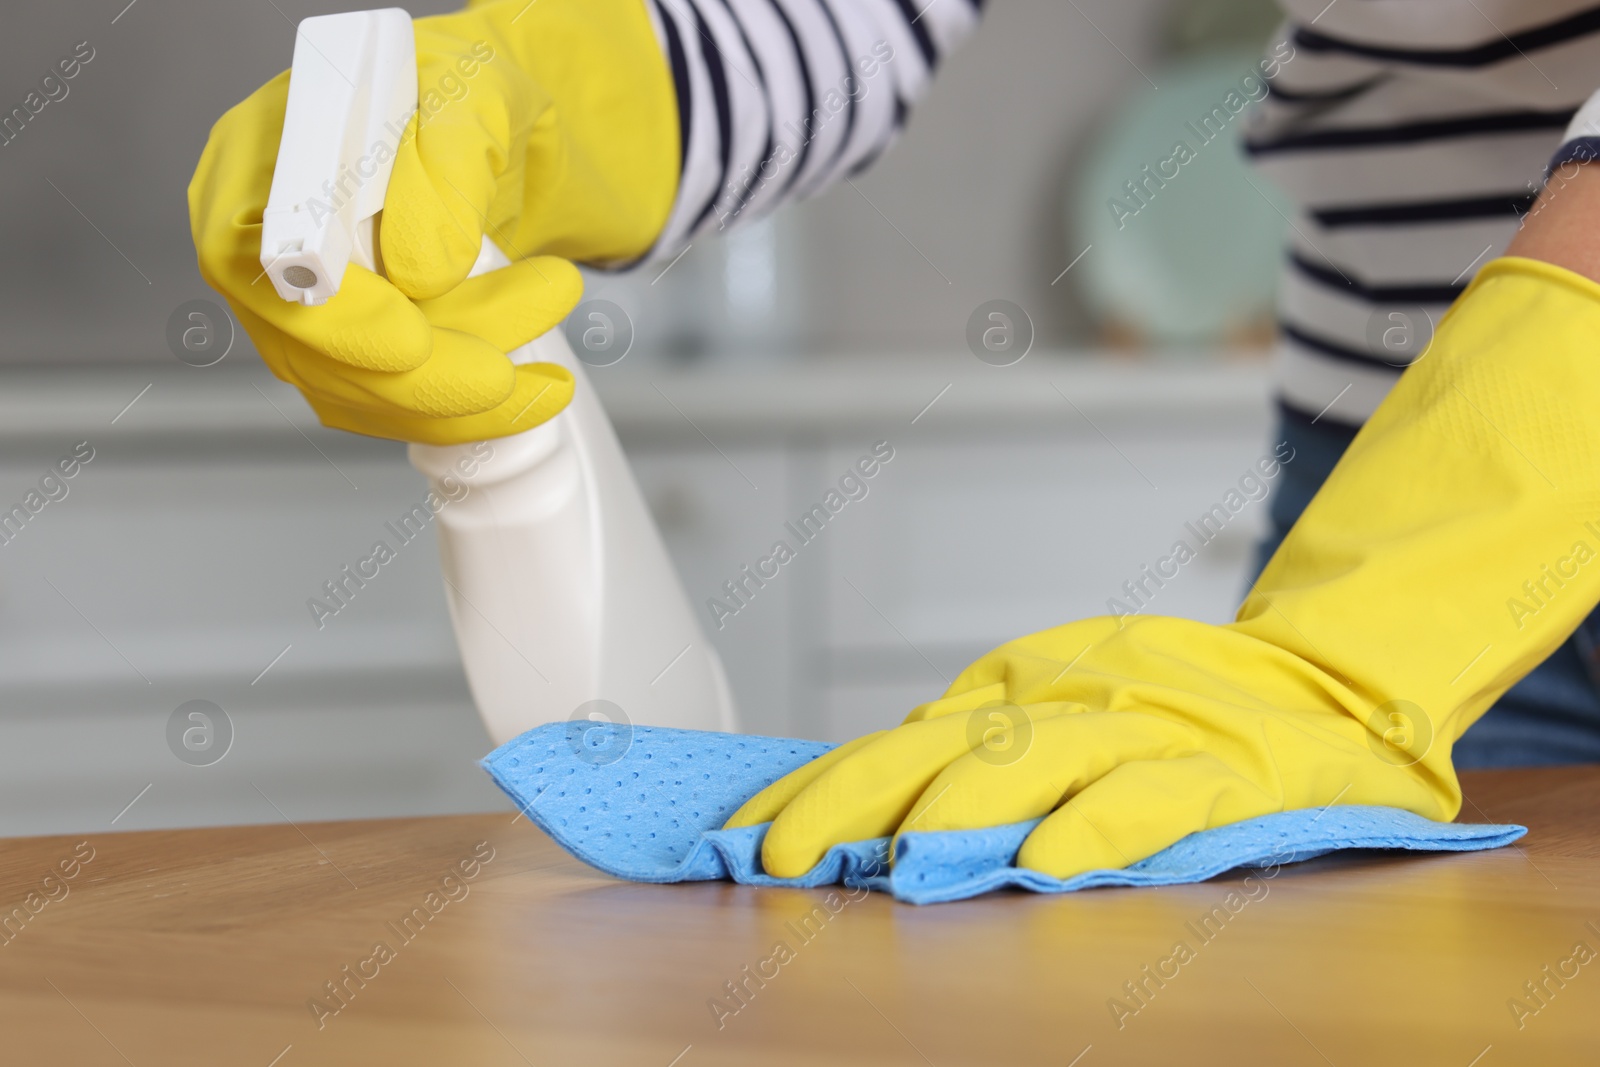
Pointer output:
x,y
352,90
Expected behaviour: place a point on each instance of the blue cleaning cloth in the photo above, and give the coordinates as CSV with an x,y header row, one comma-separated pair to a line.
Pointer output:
x,y
645,803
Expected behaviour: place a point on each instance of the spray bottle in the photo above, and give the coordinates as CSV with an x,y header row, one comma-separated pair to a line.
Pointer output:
x,y
564,600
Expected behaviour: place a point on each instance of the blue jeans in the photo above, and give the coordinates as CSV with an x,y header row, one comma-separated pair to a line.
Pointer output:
x,y
1552,716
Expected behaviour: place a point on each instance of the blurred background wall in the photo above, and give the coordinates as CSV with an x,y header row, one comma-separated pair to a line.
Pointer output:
x,y
94,223
1025,491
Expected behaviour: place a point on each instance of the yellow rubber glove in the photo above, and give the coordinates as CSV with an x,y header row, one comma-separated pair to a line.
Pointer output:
x,y
550,129
1452,549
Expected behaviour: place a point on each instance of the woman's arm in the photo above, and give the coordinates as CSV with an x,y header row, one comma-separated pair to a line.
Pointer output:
x,y
778,99
1563,226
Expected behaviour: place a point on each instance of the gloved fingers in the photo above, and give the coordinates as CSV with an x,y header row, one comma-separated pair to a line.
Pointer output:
x,y
369,324
270,343
434,222
540,392
229,188
1136,810
472,119
862,796
511,306
464,375
379,404
869,793
1032,757
765,805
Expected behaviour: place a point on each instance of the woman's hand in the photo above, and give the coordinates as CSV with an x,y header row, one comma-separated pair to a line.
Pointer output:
x,y
549,129
1452,549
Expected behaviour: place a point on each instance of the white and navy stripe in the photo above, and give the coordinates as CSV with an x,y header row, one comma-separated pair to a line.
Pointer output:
x,y
1413,137
778,99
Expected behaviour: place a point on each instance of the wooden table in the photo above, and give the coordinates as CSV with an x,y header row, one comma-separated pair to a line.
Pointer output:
x,y
214,946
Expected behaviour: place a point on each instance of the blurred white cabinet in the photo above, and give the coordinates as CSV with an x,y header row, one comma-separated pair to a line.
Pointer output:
x,y
1006,509
179,565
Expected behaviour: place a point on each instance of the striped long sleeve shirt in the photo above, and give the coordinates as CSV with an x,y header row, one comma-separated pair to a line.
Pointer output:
x,y
1412,135
779,98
